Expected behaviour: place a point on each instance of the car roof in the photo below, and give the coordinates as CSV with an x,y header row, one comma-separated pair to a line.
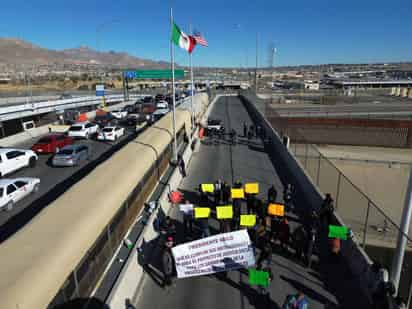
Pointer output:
x,y
4,150
73,146
6,181
109,127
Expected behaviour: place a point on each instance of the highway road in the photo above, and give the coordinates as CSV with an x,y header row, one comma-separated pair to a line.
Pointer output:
x,y
54,181
245,162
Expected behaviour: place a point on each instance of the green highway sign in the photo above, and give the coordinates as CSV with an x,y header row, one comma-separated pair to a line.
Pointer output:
x,y
153,74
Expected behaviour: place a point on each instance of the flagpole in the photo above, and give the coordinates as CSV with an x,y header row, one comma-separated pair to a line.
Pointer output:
x,y
172,56
192,82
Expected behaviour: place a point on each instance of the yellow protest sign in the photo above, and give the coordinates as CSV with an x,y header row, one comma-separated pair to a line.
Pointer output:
x,y
248,220
238,193
252,188
202,212
224,212
208,187
276,210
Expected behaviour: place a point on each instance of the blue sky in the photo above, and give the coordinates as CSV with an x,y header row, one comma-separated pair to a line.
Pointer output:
x,y
305,32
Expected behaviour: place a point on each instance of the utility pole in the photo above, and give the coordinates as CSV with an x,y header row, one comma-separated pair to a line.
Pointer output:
x,y
397,262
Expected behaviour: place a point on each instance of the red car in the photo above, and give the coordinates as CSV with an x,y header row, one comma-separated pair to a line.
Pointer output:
x,y
51,143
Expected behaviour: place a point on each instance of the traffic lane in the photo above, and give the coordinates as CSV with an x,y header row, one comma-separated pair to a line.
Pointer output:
x,y
52,176
211,162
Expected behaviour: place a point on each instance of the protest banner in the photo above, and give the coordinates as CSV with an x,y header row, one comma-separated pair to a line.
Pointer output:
x,y
222,252
237,193
252,188
208,187
202,212
276,210
248,220
224,212
340,232
258,277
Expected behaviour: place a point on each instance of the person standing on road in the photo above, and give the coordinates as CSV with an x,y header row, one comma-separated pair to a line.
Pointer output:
x,y
326,211
299,239
245,129
188,222
310,246
272,194
284,234
218,191
182,165
225,193
297,301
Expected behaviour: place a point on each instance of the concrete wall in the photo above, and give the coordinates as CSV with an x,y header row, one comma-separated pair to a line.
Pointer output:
x,y
292,172
132,275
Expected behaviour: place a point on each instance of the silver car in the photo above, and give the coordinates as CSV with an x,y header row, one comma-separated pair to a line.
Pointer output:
x,y
71,155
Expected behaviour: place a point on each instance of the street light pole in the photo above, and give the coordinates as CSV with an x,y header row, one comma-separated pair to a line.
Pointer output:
x,y
397,262
257,62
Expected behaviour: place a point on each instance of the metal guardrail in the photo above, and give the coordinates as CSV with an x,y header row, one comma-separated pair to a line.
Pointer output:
x,y
24,110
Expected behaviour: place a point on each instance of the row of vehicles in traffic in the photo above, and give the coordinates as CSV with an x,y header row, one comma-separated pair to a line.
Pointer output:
x,y
107,126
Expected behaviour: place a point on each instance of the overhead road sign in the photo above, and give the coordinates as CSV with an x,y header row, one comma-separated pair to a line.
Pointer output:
x,y
153,74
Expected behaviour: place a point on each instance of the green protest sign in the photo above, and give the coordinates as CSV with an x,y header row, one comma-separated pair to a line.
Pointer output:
x,y
258,277
340,232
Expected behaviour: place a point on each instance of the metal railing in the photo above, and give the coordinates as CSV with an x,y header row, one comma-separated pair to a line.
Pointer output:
x,y
374,229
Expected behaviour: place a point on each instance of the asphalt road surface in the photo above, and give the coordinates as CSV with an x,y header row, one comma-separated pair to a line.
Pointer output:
x,y
245,162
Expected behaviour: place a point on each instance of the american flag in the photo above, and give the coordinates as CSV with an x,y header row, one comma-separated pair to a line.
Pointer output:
x,y
199,38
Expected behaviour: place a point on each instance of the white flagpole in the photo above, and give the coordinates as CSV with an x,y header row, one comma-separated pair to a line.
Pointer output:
x,y
172,56
192,82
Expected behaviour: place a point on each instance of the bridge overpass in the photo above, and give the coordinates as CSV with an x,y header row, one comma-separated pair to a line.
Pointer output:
x,y
327,285
77,257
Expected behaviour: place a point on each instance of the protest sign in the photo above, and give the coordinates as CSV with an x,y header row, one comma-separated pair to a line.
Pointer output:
x,y
208,187
258,277
224,212
340,232
238,193
252,188
202,212
276,210
222,252
186,208
248,220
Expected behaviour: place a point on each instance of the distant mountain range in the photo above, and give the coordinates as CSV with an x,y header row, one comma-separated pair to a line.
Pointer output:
x,y
20,52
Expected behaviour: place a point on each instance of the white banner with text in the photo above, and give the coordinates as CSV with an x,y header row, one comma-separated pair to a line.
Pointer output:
x,y
222,252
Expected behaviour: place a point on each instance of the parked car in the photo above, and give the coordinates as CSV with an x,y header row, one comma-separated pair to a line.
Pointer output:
x,y
147,99
160,97
132,120
129,109
71,155
14,190
162,105
119,114
160,112
51,143
14,159
104,120
83,129
110,133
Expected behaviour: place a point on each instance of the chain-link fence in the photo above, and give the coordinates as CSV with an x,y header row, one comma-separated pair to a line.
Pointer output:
x,y
375,231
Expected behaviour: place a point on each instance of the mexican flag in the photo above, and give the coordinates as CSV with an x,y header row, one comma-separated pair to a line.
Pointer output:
x,y
182,40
